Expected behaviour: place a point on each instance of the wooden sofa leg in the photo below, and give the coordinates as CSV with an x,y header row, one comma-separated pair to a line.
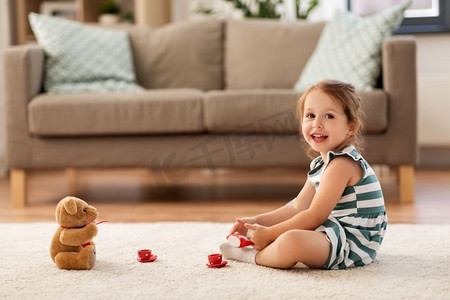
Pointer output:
x,y
406,183
18,187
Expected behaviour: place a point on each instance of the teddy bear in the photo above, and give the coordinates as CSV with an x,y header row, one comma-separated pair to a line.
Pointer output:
x,y
72,247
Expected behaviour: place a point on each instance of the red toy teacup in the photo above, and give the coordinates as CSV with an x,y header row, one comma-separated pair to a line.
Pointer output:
x,y
238,240
145,255
215,261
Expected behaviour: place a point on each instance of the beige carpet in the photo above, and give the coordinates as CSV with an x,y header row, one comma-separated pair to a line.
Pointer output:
x,y
413,264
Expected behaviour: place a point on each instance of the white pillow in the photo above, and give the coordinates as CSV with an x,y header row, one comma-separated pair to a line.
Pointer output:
x,y
83,58
349,48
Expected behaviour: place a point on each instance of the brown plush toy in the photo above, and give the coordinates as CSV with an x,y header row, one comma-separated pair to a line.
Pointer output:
x,y
72,247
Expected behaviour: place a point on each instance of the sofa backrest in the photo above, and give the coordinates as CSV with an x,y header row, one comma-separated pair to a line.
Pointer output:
x,y
179,55
267,53
212,54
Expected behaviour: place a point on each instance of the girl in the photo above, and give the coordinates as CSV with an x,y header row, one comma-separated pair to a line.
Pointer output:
x,y
338,219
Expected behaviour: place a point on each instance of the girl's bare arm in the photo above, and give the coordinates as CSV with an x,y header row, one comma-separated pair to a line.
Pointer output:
x,y
302,202
285,212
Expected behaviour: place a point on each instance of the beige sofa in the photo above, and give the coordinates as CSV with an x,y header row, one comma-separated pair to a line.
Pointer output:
x,y
219,94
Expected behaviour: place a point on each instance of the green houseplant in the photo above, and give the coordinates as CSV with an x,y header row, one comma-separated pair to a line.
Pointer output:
x,y
267,9
110,12
109,7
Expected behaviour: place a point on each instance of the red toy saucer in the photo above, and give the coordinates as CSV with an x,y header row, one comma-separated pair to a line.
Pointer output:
x,y
222,264
150,259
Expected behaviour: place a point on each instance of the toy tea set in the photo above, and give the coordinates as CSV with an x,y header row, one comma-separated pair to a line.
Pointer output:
x,y
72,246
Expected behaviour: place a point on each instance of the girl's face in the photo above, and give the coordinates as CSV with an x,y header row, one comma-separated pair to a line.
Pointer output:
x,y
325,126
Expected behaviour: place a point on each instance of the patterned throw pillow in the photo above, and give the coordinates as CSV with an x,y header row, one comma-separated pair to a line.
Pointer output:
x,y
80,58
349,48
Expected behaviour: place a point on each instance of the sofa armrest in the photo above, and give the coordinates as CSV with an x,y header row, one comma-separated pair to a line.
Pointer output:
x,y
400,83
22,72
27,64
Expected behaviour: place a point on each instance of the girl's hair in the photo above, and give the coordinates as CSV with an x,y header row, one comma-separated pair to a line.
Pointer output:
x,y
345,94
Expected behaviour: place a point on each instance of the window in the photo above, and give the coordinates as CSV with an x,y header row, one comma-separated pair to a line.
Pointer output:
x,y
422,16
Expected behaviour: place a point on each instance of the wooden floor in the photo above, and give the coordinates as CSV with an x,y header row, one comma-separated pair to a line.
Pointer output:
x,y
202,195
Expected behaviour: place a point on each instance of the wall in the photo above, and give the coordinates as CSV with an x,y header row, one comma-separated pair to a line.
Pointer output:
x,y
5,39
433,66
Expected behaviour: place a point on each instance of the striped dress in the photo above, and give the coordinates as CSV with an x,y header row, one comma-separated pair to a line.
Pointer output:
x,y
356,226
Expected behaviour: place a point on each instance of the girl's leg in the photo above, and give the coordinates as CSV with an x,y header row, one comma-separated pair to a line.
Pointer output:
x,y
311,248
246,254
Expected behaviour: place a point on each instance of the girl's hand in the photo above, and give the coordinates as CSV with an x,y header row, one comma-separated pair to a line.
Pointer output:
x,y
260,235
239,225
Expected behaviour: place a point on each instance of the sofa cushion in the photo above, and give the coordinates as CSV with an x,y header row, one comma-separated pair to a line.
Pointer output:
x,y
150,112
83,58
267,54
275,111
349,49
179,55
251,111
